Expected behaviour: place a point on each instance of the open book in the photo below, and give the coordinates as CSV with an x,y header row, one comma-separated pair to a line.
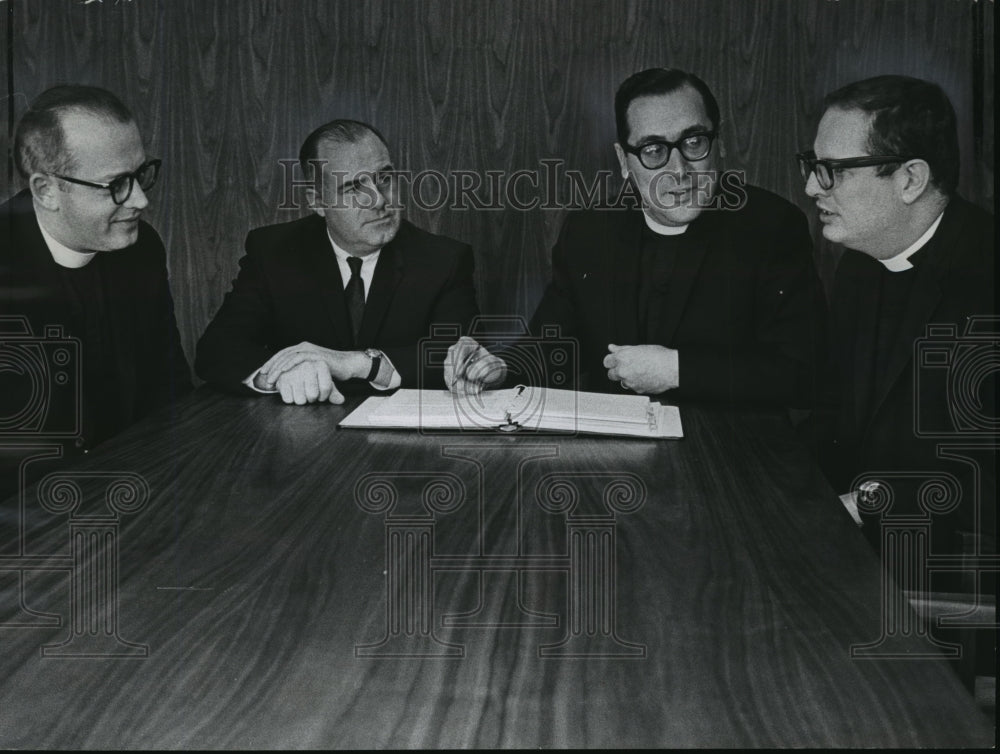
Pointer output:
x,y
529,408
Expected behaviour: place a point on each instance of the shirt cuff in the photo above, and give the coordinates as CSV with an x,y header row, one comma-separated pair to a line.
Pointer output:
x,y
850,502
386,379
249,383
674,368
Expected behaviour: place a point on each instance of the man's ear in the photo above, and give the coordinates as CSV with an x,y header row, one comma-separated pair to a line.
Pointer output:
x,y
622,160
912,180
44,190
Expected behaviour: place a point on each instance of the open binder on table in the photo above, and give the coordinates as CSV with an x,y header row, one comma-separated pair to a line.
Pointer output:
x,y
519,408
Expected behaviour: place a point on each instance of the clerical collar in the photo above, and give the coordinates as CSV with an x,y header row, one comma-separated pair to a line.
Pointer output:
x,y
663,230
63,255
343,256
901,261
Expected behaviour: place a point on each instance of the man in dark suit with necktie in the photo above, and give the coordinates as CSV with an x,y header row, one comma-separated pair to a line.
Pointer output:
x,y
344,296
89,341
913,315
707,292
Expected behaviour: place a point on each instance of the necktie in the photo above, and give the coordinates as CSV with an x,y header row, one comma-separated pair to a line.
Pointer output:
x,y
355,294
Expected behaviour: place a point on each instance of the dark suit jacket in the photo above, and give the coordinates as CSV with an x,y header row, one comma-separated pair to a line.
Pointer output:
x,y
149,366
289,290
928,394
746,314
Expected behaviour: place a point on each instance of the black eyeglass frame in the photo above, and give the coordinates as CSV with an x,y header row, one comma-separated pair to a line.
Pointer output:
x,y
808,164
132,178
671,146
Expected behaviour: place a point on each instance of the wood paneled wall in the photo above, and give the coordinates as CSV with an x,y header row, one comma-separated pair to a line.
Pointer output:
x,y
226,89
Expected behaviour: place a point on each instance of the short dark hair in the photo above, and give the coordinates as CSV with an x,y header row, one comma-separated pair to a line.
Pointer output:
x,y
655,81
909,116
40,141
342,131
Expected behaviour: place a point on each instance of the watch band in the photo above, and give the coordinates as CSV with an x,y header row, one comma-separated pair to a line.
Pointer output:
x,y
376,356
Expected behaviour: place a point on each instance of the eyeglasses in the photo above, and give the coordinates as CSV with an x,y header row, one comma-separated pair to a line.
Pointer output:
x,y
655,154
121,186
825,170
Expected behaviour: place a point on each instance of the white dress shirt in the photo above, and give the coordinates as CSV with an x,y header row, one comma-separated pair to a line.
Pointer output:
x,y
387,378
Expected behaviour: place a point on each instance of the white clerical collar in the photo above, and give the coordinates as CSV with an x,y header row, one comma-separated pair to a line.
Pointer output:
x,y
63,255
663,230
343,256
901,261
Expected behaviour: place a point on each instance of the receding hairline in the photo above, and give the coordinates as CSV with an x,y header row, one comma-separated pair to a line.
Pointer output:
x,y
66,156
339,140
340,131
682,88
69,135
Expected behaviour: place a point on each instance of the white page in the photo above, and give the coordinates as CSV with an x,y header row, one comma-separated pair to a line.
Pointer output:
x,y
527,408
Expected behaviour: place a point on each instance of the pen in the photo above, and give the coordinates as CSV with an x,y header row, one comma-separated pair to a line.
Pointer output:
x,y
466,362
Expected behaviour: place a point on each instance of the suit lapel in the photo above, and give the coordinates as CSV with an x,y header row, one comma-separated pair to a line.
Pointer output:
x,y
385,281
626,247
328,284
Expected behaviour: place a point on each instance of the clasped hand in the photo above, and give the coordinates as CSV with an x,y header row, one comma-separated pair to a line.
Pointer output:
x,y
306,373
645,369
469,367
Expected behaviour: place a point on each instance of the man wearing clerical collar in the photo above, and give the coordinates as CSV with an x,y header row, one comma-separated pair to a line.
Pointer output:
x,y
83,277
884,172
700,294
341,298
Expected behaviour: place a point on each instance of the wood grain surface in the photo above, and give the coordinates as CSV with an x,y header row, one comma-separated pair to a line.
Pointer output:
x,y
255,575
226,89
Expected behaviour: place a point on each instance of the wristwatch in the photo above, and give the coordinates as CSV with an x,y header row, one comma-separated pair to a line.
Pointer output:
x,y
376,356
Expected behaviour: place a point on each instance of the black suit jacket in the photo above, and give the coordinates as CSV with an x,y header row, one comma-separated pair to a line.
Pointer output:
x,y
746,314
289,289
935,390
149,366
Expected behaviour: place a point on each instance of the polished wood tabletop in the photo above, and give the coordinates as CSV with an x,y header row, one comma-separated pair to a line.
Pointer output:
x,y
237,573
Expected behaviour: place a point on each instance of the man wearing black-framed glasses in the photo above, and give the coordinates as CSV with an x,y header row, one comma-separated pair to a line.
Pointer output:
x,y
120,187
707,291
884,172
82,274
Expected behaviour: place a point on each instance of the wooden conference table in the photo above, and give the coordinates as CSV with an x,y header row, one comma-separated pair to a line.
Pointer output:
x,y
241,574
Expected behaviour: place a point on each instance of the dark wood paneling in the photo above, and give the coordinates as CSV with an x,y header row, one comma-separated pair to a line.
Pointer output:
x,y
225,89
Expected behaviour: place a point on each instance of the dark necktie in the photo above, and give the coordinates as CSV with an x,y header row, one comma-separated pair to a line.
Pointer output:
x,y
355,295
